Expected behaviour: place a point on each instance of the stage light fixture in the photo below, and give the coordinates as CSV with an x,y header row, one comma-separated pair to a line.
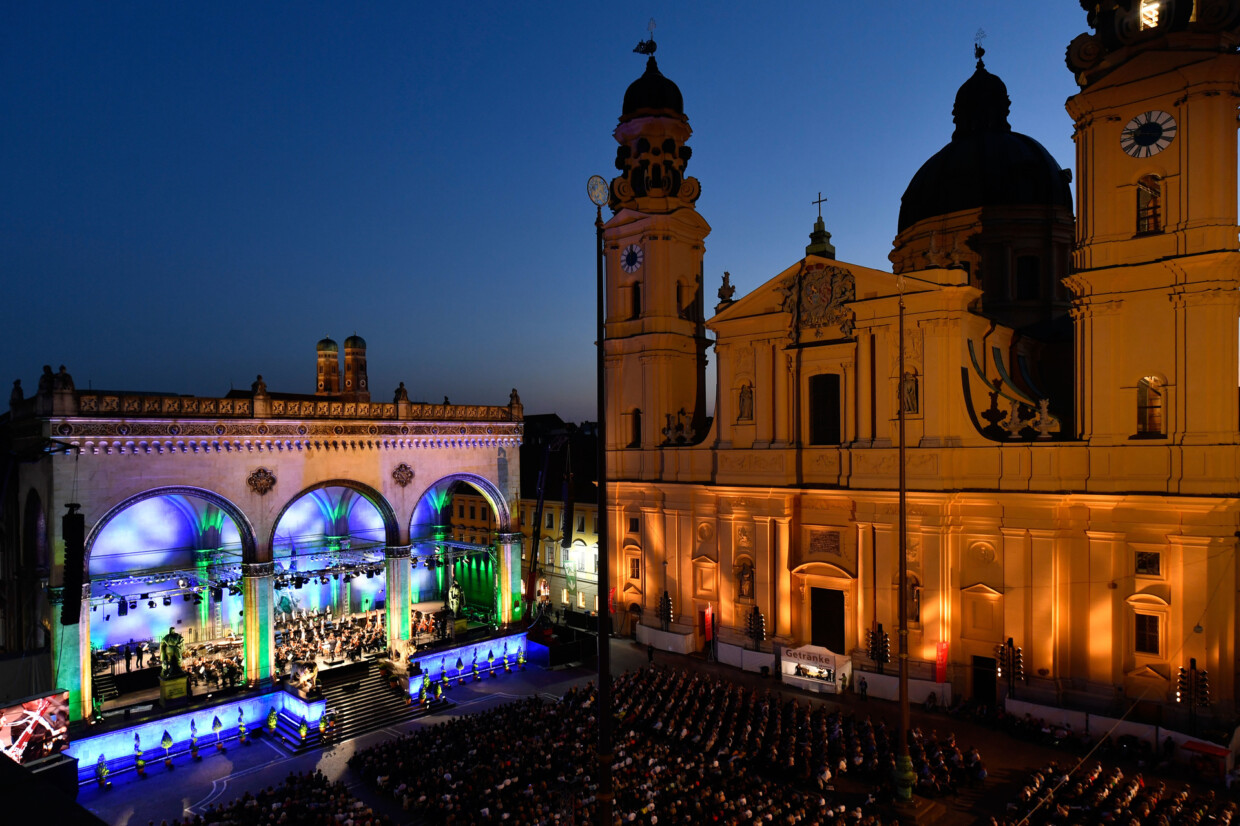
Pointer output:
x,y
370,574
144,596
185,597
167,600
323,579
107,617
182,582
133,605
150,603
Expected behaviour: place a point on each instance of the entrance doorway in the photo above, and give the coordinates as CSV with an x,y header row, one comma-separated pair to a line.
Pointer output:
x,y
984,677
826,607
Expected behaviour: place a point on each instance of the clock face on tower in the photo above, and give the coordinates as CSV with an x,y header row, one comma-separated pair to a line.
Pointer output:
x,y
1148,134
631,258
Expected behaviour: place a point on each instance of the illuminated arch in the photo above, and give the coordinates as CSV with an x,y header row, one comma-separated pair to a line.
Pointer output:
x,y
431,509
245,529
391,527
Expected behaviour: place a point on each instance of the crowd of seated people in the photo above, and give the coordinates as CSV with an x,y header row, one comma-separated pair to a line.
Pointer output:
x,y
680,746
1090,794
307,799
306,637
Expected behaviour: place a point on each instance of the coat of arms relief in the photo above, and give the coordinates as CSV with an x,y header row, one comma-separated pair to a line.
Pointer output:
x,y
818,297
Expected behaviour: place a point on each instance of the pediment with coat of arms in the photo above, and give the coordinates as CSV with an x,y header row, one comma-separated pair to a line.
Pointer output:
x,y
817,297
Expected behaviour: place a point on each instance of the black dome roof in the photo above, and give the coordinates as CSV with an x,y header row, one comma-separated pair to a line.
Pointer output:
x,y
652,91
986,163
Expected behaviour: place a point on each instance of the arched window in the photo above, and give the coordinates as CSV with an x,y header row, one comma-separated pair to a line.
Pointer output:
x,y
1149,205
1150,406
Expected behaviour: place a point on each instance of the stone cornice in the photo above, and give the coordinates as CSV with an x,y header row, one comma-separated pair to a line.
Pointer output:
x,y
163,406
107,436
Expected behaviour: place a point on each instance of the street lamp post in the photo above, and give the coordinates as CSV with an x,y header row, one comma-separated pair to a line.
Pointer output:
x,y
599,195
904,775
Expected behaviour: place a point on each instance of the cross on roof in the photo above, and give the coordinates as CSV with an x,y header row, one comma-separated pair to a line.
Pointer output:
x,y
821,200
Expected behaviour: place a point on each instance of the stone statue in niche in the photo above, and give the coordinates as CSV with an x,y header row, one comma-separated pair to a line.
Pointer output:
x,y
744,581
908,393
745,404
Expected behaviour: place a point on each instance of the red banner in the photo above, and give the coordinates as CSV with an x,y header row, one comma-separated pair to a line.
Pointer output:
x,y
940,663
710,623
611,601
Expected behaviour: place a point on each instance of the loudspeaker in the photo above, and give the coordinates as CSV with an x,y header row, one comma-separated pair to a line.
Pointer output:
x,y
73,529
122,607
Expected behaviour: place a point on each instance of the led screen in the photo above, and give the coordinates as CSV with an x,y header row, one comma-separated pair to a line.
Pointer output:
x,y
35,728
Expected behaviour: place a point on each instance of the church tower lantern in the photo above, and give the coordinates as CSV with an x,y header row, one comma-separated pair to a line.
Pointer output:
x,y
655,334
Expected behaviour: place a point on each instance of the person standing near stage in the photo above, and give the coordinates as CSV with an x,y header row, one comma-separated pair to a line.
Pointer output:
x,y
128,655
141,646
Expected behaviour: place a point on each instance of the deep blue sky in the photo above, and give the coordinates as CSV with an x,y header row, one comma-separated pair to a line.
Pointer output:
x,y
196,193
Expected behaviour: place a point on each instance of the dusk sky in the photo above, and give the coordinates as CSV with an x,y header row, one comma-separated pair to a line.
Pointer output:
x,y
196,193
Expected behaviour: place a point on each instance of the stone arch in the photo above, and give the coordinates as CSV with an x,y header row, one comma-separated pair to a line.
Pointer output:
x,y
391,528
245,529
429,510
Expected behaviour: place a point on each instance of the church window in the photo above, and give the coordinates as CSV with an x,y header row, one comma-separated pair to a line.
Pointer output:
x,y
1145,640
1149,205
550,519
824,409
635,568
635,428
1150,406
635,524
1028,278
635,298
1149,563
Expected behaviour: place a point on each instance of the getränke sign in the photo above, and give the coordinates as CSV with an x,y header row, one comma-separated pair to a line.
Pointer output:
x,y
811,655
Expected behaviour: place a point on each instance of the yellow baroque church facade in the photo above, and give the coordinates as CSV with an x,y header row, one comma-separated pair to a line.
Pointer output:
x,y
1069,392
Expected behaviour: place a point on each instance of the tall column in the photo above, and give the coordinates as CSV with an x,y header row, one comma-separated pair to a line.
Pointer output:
x,y
781,386
399,579
260,632
509,596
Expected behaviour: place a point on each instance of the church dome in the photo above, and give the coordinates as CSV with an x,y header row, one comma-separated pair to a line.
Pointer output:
x,y
355,342
986,163
651,93
326,345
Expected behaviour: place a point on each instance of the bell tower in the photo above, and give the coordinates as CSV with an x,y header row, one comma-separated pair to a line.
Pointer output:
x,y
1156,264
655,338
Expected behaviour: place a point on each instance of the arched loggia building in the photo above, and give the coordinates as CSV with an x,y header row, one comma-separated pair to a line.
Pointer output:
x,y
200,503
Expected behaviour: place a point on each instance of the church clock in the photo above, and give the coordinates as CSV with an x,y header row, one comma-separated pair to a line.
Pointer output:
x,y
631,258
1148,134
